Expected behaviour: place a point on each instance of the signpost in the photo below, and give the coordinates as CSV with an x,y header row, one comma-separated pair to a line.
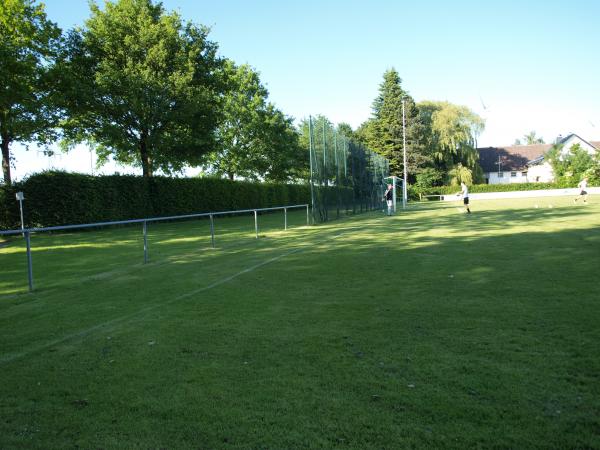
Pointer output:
x,y
20,197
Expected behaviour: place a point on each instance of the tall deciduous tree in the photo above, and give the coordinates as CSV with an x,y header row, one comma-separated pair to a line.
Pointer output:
x,y
28,43
239,132
142,86
255,139
282,158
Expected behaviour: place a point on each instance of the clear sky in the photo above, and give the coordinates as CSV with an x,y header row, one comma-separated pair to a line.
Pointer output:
x,y
521,65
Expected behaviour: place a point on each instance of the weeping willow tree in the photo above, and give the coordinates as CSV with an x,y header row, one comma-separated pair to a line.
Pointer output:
x,y
460,174
451,137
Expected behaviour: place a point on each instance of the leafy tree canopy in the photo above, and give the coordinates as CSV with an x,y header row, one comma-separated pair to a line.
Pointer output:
x,y
28,44
451,135
255,139
571,165
142,86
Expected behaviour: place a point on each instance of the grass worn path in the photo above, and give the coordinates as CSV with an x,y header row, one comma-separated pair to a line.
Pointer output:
x,y
430,329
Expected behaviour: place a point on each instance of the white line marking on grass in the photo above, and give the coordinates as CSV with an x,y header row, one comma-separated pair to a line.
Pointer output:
x,y
14,356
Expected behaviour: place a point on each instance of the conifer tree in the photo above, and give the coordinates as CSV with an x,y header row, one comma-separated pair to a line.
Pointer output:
x,y
383,133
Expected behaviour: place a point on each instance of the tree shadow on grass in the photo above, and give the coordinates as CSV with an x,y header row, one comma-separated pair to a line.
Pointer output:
x,y
474,337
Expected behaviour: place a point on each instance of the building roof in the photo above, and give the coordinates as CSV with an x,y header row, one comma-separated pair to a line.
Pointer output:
x,y
512,157
517,157
567,137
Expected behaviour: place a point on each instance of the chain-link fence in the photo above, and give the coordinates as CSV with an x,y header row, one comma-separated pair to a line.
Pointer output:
x,y
345,177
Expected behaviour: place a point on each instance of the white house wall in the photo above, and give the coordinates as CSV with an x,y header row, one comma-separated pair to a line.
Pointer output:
x,y
506,177
540,173
576,140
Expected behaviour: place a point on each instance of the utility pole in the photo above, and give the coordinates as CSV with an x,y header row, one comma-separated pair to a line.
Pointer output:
x,y
404,195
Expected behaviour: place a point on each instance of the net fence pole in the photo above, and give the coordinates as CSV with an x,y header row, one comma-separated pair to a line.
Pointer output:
x,y
256,223
310,154
404,157
212,230
145,231
337,172
325,177
29,262
285,218
307,216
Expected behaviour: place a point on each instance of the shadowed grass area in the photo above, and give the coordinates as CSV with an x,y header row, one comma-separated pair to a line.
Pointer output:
x,y
430,329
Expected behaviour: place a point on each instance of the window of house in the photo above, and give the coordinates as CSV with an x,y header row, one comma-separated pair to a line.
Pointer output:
x,y
500,174
524,174
513,174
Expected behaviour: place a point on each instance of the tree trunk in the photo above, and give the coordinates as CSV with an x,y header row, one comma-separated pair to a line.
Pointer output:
x,y
146,158
230,175
5,158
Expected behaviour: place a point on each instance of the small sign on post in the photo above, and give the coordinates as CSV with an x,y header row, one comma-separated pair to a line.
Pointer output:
x,y
20,197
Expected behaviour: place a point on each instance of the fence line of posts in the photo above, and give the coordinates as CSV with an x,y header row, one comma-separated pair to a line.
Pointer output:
x,y
26,232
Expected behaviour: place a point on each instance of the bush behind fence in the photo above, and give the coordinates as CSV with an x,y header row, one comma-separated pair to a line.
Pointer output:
x,y
59,198
414,191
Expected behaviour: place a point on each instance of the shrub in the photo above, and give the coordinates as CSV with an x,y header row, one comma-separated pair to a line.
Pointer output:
x,y
60,198
480,188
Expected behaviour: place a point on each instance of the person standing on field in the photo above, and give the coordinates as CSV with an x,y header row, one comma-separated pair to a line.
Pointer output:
x,y
465,195
582,190
389,198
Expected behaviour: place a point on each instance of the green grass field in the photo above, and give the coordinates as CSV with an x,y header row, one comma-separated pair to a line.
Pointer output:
x,y
430,329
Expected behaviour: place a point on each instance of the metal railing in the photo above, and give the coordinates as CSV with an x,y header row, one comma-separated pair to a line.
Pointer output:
x,y
28,231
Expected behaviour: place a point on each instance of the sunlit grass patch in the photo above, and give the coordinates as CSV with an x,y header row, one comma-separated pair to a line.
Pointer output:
x,y
429,329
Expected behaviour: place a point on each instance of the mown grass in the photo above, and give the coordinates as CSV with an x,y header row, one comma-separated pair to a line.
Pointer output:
x,y
430,329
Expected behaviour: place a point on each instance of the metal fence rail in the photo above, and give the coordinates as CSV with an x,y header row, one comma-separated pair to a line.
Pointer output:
x,y
26,232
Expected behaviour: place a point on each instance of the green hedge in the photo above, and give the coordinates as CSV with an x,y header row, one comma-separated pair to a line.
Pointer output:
x,y
60,198
480,188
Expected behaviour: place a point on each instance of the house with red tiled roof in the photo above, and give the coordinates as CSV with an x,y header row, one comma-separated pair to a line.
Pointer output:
x,y
526,163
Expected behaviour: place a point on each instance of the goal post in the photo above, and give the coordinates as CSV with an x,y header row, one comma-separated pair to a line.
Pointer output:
x,y
395,182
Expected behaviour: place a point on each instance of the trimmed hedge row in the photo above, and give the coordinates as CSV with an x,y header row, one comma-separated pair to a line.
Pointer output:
x,y
60,198
480,188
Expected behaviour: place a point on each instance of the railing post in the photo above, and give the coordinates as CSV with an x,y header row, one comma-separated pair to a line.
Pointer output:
x,y
29,263
256,223
285,218
145,228
212,231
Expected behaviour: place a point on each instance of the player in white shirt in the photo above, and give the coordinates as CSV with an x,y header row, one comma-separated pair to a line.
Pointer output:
x,y
582,190
465,195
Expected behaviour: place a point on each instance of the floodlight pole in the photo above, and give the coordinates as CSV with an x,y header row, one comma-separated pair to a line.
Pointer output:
x,y
404,157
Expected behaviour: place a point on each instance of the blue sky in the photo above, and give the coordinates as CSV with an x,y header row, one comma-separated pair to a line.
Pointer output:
x,y
533,64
